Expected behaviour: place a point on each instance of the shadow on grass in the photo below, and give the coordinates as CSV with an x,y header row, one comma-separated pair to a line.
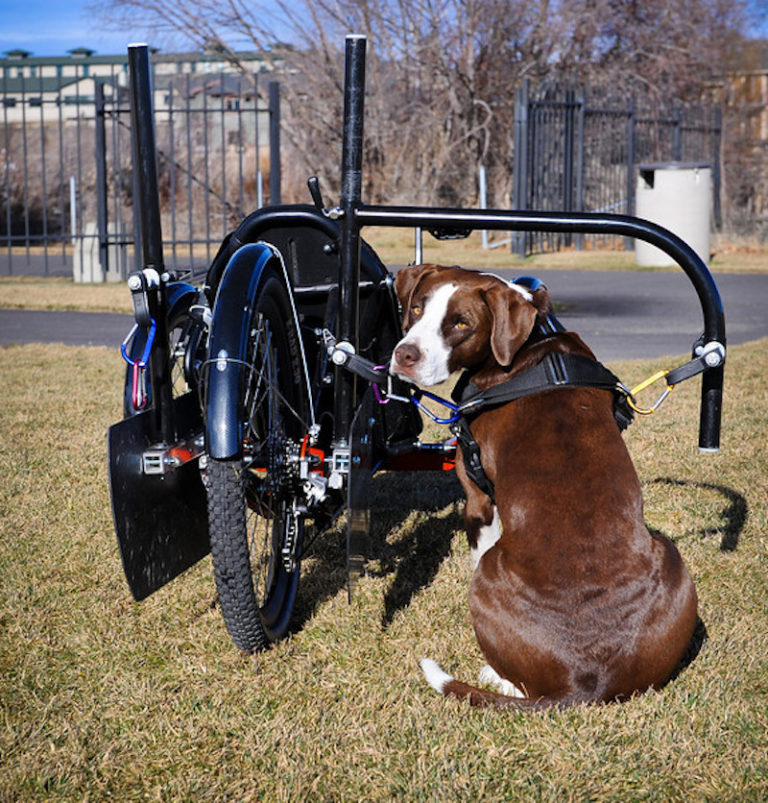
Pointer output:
x,y
734,516
734,513
697,641
414,558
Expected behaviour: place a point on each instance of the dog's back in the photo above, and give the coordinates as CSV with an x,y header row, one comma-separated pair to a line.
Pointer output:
x,y
593,604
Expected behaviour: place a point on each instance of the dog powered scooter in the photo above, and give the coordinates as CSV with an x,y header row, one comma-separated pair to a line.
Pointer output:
x,y
257,403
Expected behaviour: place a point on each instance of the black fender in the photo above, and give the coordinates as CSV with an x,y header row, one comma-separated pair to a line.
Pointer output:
x,y
180,296
238,290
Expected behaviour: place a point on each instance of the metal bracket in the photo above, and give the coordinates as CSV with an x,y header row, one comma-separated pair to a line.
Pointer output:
x,y
162,458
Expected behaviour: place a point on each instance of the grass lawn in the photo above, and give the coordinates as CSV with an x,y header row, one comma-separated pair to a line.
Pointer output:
x,y
102,697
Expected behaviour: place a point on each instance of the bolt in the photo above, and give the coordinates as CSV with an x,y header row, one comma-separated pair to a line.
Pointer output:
x,y
712,359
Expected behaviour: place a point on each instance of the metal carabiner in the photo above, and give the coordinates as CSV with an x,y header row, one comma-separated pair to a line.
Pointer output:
x,y
416,399
139,395
139,388
142,363
385,396
642,386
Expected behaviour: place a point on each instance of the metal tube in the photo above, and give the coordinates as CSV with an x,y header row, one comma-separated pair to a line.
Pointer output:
x,y
142,125
148,203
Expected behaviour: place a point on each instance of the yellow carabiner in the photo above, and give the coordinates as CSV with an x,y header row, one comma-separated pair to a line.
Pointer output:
x,y
642,386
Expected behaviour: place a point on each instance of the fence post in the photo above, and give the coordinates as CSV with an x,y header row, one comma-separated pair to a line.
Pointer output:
x,y
677,146
519,202
101,178
569,152
717,135
580,124
629,243
274,143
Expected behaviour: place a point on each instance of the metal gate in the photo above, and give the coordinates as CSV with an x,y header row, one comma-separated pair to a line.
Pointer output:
x,y
66,186
576,153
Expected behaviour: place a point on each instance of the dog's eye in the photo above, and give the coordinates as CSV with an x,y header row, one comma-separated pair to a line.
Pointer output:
x,y
461,324
415,310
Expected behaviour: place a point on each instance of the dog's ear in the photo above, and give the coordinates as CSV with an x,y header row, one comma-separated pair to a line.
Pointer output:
x,y
513,317
406,280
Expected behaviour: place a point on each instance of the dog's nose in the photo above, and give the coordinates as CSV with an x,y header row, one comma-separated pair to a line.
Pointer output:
x,y
407,355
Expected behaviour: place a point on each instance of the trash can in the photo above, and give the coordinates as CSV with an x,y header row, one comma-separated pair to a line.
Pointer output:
x,y
676,195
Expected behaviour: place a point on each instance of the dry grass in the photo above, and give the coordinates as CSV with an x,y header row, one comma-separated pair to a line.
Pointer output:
x,y
105,698
58,293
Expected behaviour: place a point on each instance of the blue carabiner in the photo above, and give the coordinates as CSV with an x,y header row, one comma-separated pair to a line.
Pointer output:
x,y
416,399
142,363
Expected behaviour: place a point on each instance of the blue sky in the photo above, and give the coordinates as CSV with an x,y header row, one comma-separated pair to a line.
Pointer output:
x,y
51,27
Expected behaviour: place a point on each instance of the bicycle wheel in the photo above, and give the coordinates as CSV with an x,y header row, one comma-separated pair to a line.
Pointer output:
x,y
255,518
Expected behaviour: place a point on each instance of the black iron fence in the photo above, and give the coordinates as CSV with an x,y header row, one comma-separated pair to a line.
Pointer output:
x,y
575,152
66,186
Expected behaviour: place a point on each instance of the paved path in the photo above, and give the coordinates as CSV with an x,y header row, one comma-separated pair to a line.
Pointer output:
x,y
620,314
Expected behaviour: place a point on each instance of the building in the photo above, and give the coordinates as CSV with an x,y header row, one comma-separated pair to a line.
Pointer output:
x,y
55,88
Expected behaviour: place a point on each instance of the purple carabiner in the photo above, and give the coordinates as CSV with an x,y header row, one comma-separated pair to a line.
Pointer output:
x,y
377,389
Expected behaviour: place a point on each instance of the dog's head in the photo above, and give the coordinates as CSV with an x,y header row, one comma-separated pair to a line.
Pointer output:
x,y
455,318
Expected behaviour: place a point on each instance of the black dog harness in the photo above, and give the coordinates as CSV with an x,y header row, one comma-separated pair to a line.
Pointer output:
x,y
555,370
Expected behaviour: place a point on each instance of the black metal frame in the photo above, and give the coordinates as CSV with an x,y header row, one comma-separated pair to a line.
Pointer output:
x,y
356,419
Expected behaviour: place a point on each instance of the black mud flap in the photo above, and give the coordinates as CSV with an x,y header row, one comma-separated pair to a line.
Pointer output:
x,y
161,520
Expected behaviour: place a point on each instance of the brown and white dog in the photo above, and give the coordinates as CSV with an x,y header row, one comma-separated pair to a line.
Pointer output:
x,y
572,599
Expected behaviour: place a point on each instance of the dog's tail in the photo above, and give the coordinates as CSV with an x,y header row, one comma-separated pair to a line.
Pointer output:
x,y
443,683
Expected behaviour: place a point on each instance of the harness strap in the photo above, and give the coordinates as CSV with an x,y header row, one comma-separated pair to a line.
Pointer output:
x,y
556,370
470,454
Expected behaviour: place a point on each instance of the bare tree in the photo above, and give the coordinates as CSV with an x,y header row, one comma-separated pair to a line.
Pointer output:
x,y
442,73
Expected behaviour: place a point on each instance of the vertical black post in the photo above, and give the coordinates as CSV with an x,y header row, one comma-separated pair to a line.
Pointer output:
x,y
100,138
150,234
521,162
144,158
711,409
717,133
351,194
275,177
629,242
569,124
581,111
